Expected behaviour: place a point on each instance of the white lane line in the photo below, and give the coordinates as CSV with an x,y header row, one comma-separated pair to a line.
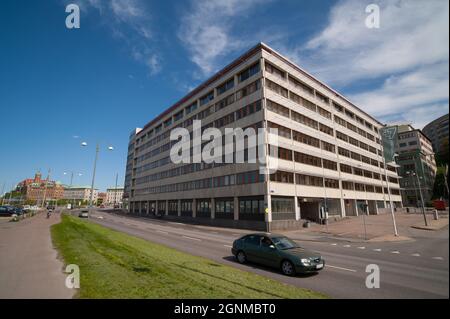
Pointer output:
x,y
362,247
334,244
191,238
438,258
336,267
162,232
229,246
395,252
176,223
347,246
377,249
415,255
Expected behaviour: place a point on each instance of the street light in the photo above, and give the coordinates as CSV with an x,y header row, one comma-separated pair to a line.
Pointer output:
x,y
97,149
71,180
421,196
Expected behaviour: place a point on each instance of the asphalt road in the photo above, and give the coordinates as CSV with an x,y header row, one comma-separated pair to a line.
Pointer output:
x,y
418,269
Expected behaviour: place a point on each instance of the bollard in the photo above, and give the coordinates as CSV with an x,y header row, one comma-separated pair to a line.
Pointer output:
x,y
435,214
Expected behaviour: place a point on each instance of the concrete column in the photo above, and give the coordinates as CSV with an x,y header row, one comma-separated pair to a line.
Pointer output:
x,y
167,208
148,208
297,208
140,207
236,208
343,212
355,202
268,202
179,207
194,208
213,208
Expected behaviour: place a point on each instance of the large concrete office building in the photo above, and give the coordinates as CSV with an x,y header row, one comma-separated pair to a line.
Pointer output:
x,y
329,152
437,132
417,165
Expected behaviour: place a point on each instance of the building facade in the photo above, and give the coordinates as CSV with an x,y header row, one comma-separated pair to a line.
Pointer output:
x,y
417,165
114,196
437,132
329,152
36,189
80,194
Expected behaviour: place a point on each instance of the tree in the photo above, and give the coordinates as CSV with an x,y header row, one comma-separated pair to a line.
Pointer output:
x,y
440,189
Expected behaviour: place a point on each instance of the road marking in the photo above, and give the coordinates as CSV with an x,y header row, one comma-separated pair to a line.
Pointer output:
x,y
228,246
191,238
395,252
377,249
346,246
362,247
333,244
176,223
161,231
336,267
415,255
438,258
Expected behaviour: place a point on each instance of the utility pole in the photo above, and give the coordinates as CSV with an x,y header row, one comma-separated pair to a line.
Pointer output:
x,y
115,191
3,192
391,204
91,199
45,188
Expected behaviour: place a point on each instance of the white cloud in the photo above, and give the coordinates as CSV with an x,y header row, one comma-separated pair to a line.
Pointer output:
x,y
408,54
129,21
411,34
206,30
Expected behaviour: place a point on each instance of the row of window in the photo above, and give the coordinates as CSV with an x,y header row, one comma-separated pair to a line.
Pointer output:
x,y
234,179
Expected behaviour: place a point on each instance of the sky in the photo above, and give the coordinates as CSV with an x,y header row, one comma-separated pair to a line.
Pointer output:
x,y
131,59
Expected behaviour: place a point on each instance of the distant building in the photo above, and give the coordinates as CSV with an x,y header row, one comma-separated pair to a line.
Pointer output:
x,y
101,198
80,193
114,195
415,156
35,189
437,132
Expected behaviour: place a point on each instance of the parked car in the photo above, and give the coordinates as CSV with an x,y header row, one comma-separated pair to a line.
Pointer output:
x,y
6,211
277,251
84,213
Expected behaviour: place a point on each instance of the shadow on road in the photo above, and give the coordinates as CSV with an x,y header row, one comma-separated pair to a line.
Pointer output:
x,y
261,267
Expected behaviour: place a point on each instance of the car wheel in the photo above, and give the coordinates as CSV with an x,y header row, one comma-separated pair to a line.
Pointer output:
x,y
241,258
287,268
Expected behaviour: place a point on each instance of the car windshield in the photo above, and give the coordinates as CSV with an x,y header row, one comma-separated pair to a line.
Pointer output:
x,y
284,243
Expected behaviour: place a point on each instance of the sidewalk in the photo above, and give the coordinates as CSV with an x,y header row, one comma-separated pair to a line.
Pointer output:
x,y
29,267
377,228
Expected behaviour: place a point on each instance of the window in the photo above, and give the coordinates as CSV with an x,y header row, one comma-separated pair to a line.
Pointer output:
x,y
225,87
178,116
340,121
347,185
308,159
329,164
225,206
168,122
300,85
277,108
323,98
227,119
306,139
308,180
328,147
282,131
324,112
331,183
342,136
248,109
275,71
249,89
282,177
283,153
283,204
208,97
346,169
276,88
191,108
343,152
300,118
326,129
225,102
249,72
359,187
251,206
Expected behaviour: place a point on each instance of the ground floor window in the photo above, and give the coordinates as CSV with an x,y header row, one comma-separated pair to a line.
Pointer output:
x,y
283,204
186,208
224,208
203,208
173,207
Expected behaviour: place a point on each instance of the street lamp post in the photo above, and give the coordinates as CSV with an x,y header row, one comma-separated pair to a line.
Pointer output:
x,y
97,150
115,191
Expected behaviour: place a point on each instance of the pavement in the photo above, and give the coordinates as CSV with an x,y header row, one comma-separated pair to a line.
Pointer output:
x,y
414,268
29,265
372,228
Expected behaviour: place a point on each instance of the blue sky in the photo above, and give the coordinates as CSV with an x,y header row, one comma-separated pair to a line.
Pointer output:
x,y
133,58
